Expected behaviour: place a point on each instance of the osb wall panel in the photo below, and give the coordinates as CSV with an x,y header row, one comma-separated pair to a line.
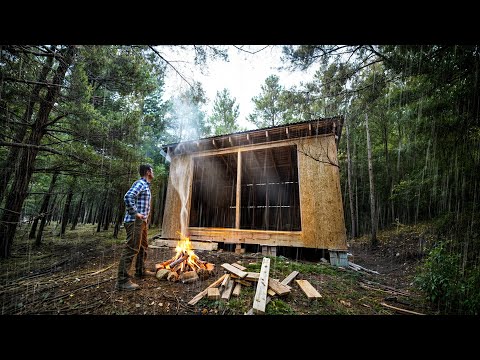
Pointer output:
x,y
180,166
323,223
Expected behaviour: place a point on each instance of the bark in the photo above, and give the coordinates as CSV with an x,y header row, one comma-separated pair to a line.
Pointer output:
x,y
13,153
373,216
25,164
66,211
349,178
43,211
44,207
77,213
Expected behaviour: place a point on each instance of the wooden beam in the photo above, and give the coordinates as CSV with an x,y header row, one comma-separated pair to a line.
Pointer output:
x,y
238,266
308,289
289,278
228,290
213,293
284,281
236,290
214,144
286,132
260,299
278,287
403,311
225,281
196,245
248,138
239,191
241,274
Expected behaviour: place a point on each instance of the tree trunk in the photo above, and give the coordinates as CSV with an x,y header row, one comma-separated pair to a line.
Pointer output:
x,y
26,160
43,209
14,152
349,178
101,214
373,216
77,213
66,211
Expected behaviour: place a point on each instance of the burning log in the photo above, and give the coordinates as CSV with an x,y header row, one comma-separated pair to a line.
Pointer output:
x,y
186,262
178,261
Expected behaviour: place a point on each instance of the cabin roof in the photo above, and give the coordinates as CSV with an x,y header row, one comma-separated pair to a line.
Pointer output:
x,y
332,125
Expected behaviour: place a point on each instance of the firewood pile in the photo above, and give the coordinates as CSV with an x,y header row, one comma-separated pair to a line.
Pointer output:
x,y
184,266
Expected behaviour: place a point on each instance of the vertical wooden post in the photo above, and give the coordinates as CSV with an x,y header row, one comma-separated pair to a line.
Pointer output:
x,y
239,187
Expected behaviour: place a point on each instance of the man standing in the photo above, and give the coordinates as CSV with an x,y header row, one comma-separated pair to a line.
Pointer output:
x,y
137,201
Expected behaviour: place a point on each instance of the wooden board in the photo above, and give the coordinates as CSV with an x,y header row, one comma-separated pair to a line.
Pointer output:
x,y
278,287
196,245
260,299
290,277
213,293
241,274
228,290
308,289
236,290
238,266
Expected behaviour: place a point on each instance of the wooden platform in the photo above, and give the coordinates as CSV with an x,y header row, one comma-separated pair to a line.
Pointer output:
x,y
196,245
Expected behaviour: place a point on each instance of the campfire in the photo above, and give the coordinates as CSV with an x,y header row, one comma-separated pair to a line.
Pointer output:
x,y
185,266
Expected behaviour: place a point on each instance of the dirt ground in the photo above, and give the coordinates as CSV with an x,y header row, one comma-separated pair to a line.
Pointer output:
x,y
76,275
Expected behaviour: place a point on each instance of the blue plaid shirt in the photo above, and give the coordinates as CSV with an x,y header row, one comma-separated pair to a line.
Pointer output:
x,y
137,200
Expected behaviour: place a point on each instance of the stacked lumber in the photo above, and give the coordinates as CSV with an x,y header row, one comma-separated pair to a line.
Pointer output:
x,y
266,287
231,283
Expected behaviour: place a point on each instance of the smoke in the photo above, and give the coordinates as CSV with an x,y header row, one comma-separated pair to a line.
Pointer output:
x,y
187,120
180,183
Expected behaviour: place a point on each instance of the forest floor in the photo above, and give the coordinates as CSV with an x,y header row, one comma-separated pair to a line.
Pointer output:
x,y
76,274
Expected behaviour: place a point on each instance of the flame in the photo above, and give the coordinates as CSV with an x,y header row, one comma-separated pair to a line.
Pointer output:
x,y
185,260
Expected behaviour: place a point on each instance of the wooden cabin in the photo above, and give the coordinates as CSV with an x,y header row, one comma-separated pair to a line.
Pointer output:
x,y
277,186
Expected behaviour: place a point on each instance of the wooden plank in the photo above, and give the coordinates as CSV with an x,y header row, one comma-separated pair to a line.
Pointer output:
x,y
278,287
260,299
403,311
201,294
225,281
250,312
236,290
228,290
290,277
238,266
196,245
241,274
213,293
285,281
252,276
239,193
271,292
308,289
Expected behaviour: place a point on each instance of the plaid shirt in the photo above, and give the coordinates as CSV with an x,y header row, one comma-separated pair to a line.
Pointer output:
x,y
137,200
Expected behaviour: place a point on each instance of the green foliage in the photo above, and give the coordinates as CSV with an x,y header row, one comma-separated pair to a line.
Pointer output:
x,y
268,106
446,285
279,307
451,273
225,114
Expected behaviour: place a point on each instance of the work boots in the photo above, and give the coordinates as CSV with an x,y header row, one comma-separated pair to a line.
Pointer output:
x,y
126,286
145,274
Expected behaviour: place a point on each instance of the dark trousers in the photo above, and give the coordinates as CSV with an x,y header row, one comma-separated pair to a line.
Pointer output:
x,y
136,247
